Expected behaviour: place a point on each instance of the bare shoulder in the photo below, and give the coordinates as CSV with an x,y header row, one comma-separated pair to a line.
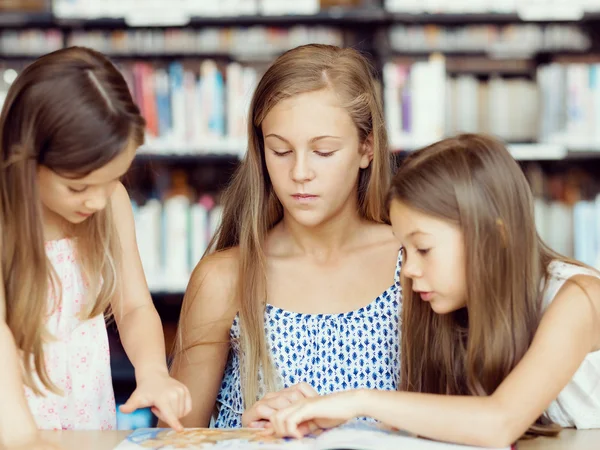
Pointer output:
x,y
580,295
380,235
119,199
211,290
584,290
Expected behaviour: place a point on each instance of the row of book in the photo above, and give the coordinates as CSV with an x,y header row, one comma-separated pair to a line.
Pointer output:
x,y
173,234
243,42
521,39
193,106
570,104
572,230
256,42
264,42
30,42
182,9
200,106
567,211
423,103
551,9
119,8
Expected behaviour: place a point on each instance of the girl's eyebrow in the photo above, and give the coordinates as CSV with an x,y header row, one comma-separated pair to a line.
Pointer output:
x,y
417,231
312,141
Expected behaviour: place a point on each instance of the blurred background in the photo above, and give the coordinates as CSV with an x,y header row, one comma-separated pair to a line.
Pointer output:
x,y
527,71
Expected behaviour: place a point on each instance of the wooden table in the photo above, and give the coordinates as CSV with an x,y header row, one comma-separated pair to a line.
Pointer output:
x,y
108,440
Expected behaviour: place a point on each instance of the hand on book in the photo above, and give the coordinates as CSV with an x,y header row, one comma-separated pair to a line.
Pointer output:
x,y
168,398
314,413
259,414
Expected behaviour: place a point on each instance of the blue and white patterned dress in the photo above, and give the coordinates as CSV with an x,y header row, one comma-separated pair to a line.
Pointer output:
x,y
331,352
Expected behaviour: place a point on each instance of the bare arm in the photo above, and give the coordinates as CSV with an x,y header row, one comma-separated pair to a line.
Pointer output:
x,y
206,317
567,333
133,307
140,327
17,427
16,422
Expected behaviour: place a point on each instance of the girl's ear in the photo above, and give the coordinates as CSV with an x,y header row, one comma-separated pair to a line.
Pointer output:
x,y
367,152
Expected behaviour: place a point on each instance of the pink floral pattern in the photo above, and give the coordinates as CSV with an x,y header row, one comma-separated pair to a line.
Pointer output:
x,y
77,359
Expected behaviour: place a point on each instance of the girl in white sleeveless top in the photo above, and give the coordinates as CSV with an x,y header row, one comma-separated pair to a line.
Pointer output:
x,y
500,335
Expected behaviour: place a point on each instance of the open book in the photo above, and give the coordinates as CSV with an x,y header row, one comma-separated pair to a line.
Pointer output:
x,y
353,436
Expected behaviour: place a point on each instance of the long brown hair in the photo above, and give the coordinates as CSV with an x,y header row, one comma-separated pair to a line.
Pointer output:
x,y
70,111
473,181
251,207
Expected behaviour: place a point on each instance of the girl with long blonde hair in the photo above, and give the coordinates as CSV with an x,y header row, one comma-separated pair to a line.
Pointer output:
x,y
301,289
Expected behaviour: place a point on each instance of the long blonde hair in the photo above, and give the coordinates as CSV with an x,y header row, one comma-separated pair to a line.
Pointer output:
x,y
70,111
474,182
251,207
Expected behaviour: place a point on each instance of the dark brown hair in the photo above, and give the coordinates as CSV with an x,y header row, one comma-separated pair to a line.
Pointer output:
x,y
70,111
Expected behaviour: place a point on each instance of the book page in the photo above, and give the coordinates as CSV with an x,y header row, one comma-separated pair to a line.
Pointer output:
x,y
205,438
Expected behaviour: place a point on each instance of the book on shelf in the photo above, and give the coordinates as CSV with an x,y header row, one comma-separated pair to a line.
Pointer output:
x,y
24,5
500,41
423,104
560,108
163,11
246,43
30,42
193,106
570,104
153,9
172,236
567,211
525,9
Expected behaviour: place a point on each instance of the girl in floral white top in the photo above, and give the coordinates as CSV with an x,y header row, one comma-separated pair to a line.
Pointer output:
x,y
68,132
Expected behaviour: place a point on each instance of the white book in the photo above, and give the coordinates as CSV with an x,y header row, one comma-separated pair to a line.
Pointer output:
x,y
391,102
214,218
467,104
148,234
498,107
541,219
428,85
595,88
450,120
235,101
198,233
176,249
283,7
560,239
404,6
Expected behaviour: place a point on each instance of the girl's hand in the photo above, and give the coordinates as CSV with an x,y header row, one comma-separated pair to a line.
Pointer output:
x,y
259,414
314,413
170,400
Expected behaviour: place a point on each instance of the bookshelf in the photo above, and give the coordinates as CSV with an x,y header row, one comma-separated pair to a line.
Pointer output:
x,y
525,72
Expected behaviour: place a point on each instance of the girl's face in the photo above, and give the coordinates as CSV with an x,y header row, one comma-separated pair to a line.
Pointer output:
x,y
313,157
434,257
74,200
